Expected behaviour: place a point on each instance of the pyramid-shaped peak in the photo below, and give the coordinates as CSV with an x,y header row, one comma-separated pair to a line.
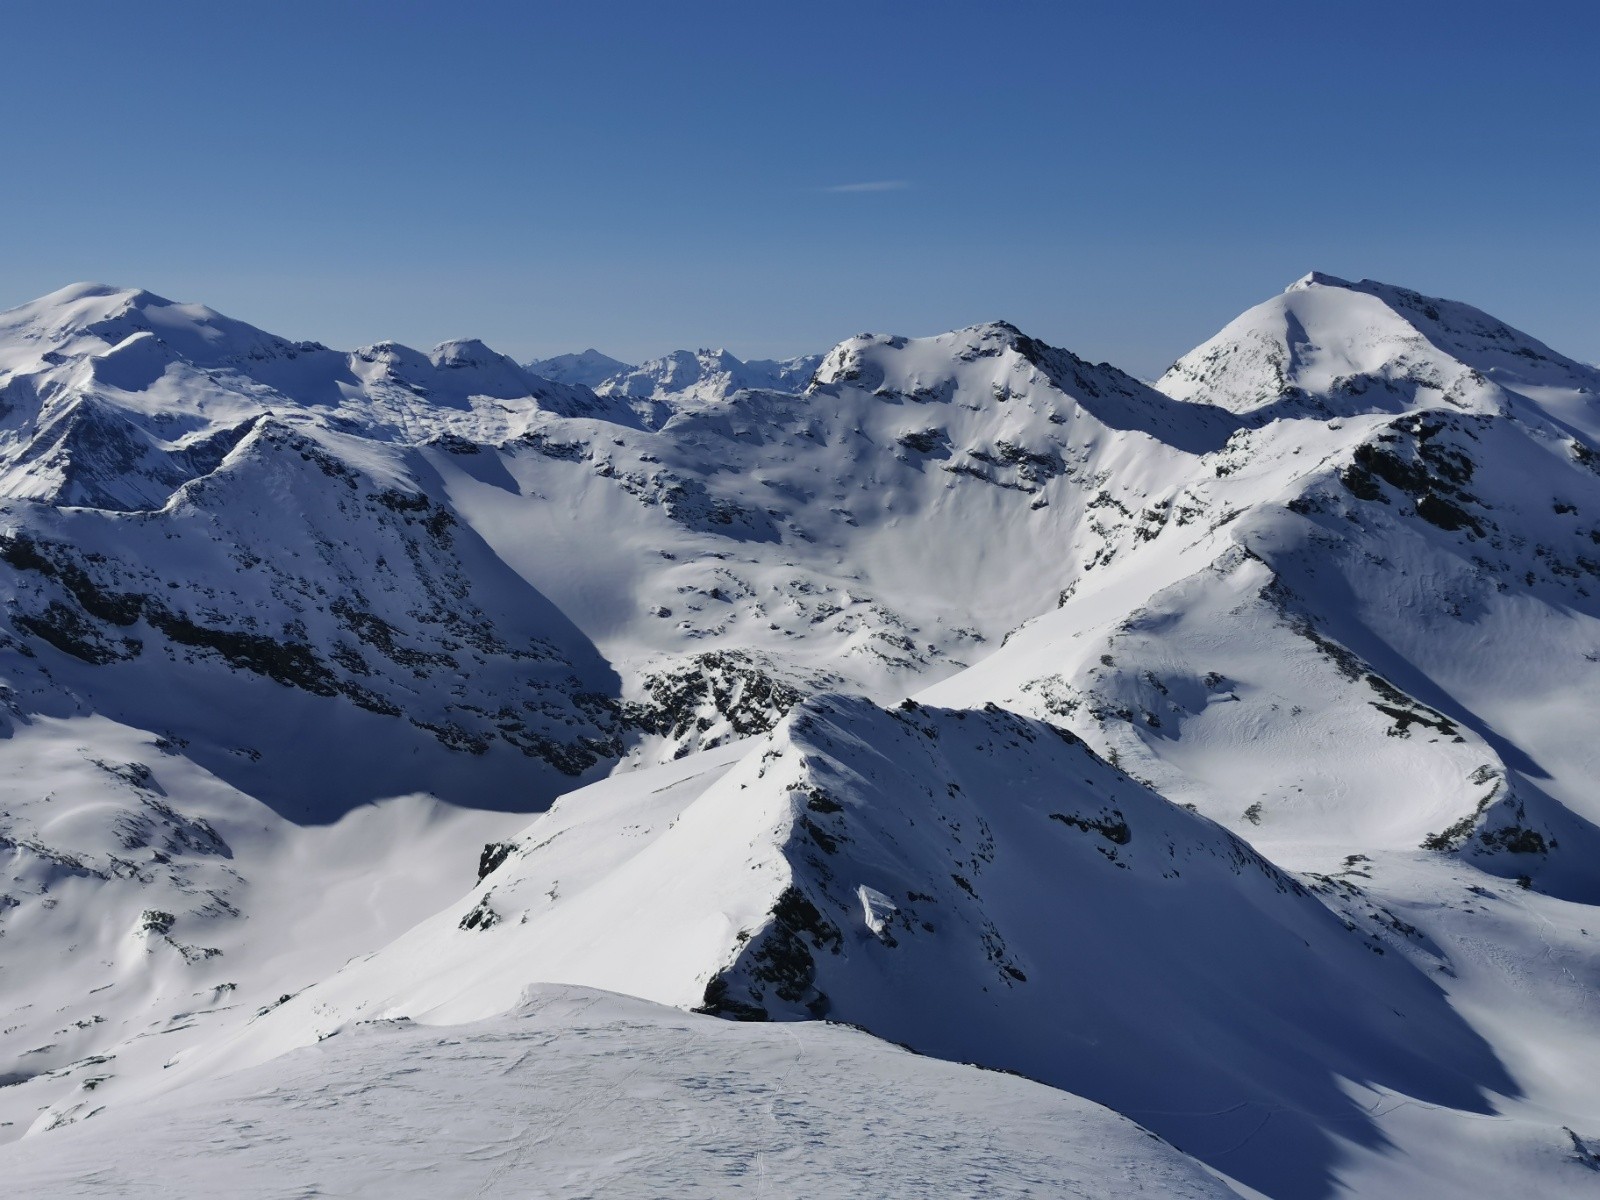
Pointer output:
x,y
1329,347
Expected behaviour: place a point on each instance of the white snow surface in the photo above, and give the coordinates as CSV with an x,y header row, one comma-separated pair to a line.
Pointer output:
x,y
1246,791
587,368
576,1092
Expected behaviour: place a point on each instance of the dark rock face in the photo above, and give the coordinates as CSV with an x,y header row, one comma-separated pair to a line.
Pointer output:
x,y
728,686
1431,471
779,959
494,854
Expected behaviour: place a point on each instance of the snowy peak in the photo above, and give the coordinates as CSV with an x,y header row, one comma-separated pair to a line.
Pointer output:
x,y
1465,332
888,361
470,353
705,375
682,375
983,368
1508,355
1327,347
88,318
1316,279
588,369
453,371
931,368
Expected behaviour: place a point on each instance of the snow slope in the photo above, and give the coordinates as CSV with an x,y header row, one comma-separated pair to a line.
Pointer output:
x,y
1389,643
585,1093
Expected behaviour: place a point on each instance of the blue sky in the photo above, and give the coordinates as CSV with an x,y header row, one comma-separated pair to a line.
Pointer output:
x,y
1120,178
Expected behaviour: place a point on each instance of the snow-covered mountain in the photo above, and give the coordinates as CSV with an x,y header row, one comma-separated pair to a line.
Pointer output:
x,y
588,368
684,377
1328,347
690,375
1245,789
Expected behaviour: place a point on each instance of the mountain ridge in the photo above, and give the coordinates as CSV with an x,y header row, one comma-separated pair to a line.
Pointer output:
x,y
1314,618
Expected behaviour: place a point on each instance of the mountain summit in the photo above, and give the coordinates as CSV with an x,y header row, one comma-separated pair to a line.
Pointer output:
x,y
1333,348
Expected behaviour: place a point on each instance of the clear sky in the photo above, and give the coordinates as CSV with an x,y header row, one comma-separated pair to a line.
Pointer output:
x,y
1118,178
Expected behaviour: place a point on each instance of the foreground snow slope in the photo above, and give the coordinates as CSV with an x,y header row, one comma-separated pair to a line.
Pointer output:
x,y
576,1092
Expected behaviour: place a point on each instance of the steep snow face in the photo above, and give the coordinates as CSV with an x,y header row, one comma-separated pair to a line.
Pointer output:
x,y
589,1093
1330,348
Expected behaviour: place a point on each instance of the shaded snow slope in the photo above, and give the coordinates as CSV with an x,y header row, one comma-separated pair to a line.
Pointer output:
x,y
317,603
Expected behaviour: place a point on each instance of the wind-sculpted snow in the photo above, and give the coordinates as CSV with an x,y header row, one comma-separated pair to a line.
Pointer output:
x,y
1332,587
